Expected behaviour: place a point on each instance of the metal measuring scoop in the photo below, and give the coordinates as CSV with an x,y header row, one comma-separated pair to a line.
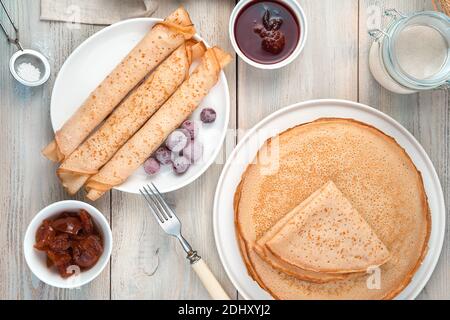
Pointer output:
x,y
24,56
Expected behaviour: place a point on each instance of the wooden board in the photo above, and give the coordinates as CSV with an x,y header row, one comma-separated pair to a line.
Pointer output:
x,y
137,237
28,181
327,68
145,263
425,115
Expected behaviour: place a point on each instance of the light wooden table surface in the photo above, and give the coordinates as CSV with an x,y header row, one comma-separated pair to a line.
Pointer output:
x,y
334,64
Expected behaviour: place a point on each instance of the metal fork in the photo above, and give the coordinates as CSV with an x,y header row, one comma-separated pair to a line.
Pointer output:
x,y
170,223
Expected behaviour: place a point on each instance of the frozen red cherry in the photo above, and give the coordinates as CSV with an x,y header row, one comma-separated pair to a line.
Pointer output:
x,y
180,164
176,141
163,155
191,127
151,166
208,115
186,133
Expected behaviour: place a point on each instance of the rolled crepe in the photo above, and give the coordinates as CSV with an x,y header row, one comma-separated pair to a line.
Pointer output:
x,y
128,117
169,117
160,41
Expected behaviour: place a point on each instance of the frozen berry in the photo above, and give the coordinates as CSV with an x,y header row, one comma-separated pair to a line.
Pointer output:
x,y
163,155
151,166
176,141
186,133
181,164
191,127
258,28
208,115
273,42
193,151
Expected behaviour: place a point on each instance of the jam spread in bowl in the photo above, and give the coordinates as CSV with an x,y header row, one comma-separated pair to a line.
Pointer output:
x,y
70,240
267,32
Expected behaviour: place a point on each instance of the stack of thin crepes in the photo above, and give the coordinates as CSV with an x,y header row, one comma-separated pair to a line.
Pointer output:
x,y
332,209
147,96
323,239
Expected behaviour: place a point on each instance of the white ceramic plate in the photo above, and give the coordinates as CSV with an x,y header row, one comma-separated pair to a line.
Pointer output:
x,y
291,116
94,59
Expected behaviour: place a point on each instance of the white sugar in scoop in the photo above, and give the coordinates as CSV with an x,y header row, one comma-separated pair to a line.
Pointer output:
x,y
29,67
27,71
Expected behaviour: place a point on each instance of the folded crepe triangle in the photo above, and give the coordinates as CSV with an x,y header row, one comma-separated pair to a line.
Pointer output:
x,y
323,239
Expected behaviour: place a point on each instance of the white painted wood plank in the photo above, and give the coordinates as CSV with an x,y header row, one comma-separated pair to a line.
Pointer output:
x,y
137,237
327,68
28,180
425,115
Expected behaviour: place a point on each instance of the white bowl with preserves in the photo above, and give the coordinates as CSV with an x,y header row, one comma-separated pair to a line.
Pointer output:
x,y
295,10
37,260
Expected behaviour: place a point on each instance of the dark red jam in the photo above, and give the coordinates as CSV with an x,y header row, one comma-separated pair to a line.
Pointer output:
x,y
70,239
267,31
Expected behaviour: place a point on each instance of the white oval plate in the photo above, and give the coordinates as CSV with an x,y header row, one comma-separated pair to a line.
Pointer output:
x,y
94,59
244,153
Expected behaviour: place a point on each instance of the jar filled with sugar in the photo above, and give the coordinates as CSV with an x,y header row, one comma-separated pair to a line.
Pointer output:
x,y
412,53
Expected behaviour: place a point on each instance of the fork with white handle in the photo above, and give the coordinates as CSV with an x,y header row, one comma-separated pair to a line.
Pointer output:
x,y
169,222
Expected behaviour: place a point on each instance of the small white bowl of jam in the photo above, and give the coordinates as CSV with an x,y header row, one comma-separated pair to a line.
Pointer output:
x,y
268,34
68,244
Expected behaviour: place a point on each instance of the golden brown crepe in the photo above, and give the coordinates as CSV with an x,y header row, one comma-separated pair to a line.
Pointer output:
x,y
169,117
160,41
128,117
299,273
371,170
277,263
327,235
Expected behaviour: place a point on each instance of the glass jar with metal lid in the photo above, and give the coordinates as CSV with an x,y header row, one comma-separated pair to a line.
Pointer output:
x,y
413,53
